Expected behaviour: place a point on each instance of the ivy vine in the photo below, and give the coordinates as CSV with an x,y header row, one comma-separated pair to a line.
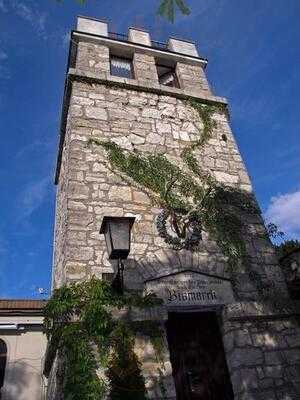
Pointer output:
x,y
82,328
192,201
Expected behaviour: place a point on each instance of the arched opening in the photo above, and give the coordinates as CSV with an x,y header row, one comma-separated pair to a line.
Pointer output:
x,y
3,356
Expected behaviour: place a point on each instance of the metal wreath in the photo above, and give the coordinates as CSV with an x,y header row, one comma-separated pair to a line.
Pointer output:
x,y
187,229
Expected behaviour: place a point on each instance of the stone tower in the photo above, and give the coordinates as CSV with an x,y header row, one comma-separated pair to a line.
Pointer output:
x,y
140,95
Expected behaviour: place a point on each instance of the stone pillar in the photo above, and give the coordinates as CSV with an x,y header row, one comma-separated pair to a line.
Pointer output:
x,y
92,25
144,68
192,78
139,36
157,373
94,58
182,47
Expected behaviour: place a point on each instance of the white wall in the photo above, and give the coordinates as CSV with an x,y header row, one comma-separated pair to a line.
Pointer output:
x,y
25,355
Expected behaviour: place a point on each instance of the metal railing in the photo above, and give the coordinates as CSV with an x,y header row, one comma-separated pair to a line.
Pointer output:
x,y
118,36
124,38
158,45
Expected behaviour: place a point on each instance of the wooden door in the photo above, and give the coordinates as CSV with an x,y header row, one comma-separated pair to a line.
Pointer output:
x,y
197,356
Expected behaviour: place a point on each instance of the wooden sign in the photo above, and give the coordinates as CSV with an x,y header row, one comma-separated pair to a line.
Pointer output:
x,y
191,288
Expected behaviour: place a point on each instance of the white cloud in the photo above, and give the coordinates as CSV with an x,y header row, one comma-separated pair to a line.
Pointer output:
x,y
65,39
30,148
33,196
3,245
3,55
4,71
2,6
284,211
28,12
36,18
4,74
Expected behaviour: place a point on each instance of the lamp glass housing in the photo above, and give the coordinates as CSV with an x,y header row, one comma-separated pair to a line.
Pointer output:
x,y
117,233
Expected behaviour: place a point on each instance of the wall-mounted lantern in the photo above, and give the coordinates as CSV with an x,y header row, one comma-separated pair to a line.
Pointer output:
x,y
117,233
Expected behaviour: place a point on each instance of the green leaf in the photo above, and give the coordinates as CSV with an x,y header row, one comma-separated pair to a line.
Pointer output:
x,y
95,339
166,10
183,7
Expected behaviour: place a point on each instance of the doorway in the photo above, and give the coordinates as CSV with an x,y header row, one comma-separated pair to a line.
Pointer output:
x,y
197,355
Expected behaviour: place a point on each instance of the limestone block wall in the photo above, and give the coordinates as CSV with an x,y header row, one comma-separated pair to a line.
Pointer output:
x,y
61,221
262,352
89,189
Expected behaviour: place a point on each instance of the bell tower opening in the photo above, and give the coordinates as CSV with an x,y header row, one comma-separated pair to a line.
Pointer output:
x,y
197,355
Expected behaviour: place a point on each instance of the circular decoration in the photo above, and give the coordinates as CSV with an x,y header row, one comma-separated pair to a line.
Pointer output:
x,y
178,229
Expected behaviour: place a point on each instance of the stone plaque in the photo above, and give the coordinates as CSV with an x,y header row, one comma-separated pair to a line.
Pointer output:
x,y
190,288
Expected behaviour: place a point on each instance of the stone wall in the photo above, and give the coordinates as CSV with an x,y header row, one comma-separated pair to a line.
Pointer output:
x,y
133,119
61,223
262,352
145,122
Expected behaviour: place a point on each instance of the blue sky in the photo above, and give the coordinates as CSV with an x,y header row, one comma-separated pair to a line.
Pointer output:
x,y
253,52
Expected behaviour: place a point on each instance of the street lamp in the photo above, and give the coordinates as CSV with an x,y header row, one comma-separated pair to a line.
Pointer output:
x,y
117,232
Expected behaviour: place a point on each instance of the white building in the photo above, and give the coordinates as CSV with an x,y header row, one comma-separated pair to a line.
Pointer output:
x,y
22,350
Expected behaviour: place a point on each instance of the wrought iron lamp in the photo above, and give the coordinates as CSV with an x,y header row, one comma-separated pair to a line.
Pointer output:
x,y
117,233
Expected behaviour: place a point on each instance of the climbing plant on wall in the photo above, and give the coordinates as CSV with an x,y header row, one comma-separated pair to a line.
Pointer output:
x,y
192,201
96,346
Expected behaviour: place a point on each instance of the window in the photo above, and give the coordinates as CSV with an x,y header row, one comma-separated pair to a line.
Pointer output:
x,y
122,67
3,355
167,75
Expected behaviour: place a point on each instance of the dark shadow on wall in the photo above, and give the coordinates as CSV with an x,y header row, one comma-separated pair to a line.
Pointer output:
x,y
22,382
3,357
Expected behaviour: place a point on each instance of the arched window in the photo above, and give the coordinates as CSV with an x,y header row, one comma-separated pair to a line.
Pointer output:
x,y
3,355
